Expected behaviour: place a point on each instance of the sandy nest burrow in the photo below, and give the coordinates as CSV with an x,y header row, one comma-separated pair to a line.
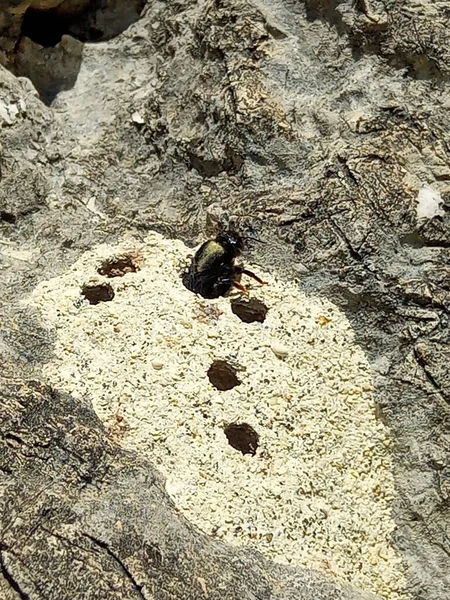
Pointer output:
x,y
319,491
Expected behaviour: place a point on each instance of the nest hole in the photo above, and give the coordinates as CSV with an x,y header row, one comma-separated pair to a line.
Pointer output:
x,y
7,217
250,311
118,267
222,375
242,437
98,293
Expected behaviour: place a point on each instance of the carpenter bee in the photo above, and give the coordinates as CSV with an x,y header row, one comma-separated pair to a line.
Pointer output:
x,y
212,272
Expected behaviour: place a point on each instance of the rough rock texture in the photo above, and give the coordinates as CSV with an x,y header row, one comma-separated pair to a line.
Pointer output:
x,y
320,490
313,124
98,523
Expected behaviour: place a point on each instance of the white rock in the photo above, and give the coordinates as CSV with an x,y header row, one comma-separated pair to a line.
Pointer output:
x,y
428,203
157,364
300,268
279,350
136,118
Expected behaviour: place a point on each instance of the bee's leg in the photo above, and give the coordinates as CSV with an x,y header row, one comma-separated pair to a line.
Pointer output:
x,y
187,281
240,287
221,286
253,276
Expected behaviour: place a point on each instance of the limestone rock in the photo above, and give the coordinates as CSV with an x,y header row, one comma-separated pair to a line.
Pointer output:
x,y
99,521
313,126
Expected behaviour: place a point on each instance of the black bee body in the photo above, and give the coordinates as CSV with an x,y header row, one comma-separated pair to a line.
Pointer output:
x,y
212,272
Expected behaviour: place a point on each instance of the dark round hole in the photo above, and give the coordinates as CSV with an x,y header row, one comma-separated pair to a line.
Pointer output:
x,y
242,437
7,217
222,375
249,311
98,293
118,267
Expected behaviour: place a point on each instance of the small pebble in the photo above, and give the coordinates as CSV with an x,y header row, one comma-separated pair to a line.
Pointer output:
x,y
300,268
157,364
279,350
136,118
322,320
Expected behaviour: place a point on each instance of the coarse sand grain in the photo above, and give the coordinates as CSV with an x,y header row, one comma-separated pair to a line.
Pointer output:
x,y
315,488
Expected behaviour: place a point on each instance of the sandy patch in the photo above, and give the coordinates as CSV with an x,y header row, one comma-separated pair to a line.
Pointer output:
x,y
319,490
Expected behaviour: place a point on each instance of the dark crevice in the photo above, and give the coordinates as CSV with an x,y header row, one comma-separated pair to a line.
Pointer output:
x,y
7,217
70,542
353,253
258,159
50,48
116,559
51,70
10,579
94,21
429,243
44,27
212,167
348,172
423,365
154,555
276,33
413,239
14,438
81,459
416,240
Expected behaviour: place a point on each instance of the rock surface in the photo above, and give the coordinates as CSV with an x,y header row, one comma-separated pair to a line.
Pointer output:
x,y
83,519
315,125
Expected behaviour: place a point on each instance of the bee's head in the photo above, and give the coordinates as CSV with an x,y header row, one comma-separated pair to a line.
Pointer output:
x,y
232,242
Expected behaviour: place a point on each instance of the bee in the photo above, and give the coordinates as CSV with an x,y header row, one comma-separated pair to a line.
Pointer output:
x,y
213,272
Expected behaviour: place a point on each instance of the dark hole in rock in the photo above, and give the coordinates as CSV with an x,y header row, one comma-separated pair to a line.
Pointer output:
x,y
242,437
276,33
222,375
49,50
7,217
231,163
94,34
98,293
52,69
413,239
249,311
85,20
45,27
118,267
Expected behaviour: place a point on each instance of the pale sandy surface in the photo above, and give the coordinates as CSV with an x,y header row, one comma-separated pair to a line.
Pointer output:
x,y
320,489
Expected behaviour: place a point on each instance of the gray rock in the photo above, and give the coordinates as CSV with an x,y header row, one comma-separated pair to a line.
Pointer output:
x,y
313,125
